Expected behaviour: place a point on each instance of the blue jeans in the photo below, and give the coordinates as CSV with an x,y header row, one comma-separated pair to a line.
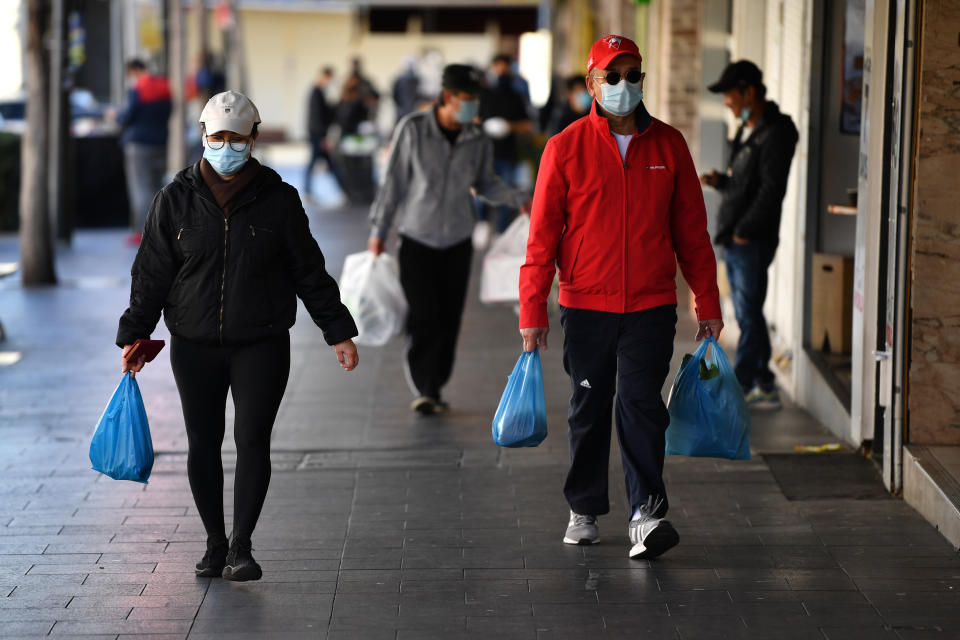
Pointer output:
x,y
319,152
747,271
144,166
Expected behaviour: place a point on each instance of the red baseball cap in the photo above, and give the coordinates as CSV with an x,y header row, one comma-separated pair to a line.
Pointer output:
x,y
609,47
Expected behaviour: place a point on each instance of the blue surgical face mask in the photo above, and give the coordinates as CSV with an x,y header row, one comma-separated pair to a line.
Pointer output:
x,y
469,110
225,161
584,99
745,115
620,99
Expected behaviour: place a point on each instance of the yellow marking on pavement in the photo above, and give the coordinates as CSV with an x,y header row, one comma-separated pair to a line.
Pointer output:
x,y
820,448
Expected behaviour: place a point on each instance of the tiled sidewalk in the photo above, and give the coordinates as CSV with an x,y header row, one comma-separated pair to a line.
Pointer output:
x,y
380,524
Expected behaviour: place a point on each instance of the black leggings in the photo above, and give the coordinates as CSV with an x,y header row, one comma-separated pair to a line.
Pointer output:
x,y
257,375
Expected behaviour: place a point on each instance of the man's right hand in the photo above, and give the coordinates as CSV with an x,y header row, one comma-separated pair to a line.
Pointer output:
x,y
376,246
134,366
534,337
711,179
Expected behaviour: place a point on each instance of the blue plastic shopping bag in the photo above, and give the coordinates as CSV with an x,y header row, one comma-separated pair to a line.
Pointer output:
x,y
121,447
708,415
521,418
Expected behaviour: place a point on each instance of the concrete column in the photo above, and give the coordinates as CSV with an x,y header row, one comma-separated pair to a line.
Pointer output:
x,y
176,68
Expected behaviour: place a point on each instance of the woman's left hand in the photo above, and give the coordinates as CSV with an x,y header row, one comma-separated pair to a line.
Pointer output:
x,y
347,354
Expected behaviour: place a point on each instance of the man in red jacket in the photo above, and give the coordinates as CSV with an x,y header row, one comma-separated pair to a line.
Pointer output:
x,y
617,205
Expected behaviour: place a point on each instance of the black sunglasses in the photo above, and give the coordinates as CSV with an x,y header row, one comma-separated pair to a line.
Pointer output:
x,y
633,77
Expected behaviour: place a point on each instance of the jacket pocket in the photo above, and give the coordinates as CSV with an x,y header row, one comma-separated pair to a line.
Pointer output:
x,y
569,259
190,240
262,247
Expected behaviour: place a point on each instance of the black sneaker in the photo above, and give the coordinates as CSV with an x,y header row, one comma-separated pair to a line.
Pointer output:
x,y
211,566
240,565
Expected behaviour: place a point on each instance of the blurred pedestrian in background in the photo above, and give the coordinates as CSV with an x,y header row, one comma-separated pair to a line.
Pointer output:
x,y
617,205
352,109
207,80
504,110
319,118
436,158
366,92
576,105
406,89
226,253
752,191
144,123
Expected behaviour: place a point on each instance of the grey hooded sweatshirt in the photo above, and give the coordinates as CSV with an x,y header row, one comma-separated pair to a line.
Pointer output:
x,y
427,183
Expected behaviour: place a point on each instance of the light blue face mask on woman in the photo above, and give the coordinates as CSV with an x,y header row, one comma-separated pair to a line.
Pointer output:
x,y
225,160
620,99
469,110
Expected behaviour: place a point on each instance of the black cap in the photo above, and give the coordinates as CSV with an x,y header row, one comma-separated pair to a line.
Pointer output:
x,y
461,77
738,75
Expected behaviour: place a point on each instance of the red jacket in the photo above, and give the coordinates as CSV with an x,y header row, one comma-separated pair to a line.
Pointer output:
x,y
616,230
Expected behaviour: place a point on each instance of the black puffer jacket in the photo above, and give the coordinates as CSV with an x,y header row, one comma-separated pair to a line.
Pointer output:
x,y
230,280
756,180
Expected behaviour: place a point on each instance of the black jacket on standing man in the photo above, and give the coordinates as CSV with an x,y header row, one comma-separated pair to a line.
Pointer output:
x,y
756,180
230,279
320,114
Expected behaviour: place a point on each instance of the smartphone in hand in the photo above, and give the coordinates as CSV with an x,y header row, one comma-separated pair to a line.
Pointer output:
x,y
146,349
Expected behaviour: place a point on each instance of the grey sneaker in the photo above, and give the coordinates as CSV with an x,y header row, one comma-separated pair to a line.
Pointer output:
x,y
651,536
582,530
762,400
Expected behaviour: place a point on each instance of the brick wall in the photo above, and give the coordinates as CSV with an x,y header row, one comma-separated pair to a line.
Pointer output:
x,y
934,376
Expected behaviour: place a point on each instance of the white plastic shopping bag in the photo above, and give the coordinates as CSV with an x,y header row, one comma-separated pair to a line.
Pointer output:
x,y
370,289
500,279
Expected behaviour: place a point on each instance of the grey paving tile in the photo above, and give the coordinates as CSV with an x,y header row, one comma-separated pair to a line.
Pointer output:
x,y
193,599
163,613
42,569
69,590
60,613
25,628
122,627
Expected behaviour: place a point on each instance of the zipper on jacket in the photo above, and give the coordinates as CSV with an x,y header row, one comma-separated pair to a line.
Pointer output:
x,y
180,233
443,186
623,249
223,279
226,237
253,230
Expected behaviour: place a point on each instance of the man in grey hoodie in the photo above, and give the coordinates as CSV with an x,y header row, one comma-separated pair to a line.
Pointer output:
x,y
437,157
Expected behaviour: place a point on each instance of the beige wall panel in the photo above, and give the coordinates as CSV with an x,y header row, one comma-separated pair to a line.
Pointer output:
x,y
284,50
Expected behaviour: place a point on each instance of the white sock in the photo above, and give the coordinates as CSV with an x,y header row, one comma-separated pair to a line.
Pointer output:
x,y
637,514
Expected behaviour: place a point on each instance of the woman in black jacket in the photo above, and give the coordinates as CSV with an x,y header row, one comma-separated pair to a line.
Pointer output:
x,y
226,252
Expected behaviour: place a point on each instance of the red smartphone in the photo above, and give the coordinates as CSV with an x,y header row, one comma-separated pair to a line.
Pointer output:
x,y
146,349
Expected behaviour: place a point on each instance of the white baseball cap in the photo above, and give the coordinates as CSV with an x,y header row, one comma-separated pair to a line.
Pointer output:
x,y
229,111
